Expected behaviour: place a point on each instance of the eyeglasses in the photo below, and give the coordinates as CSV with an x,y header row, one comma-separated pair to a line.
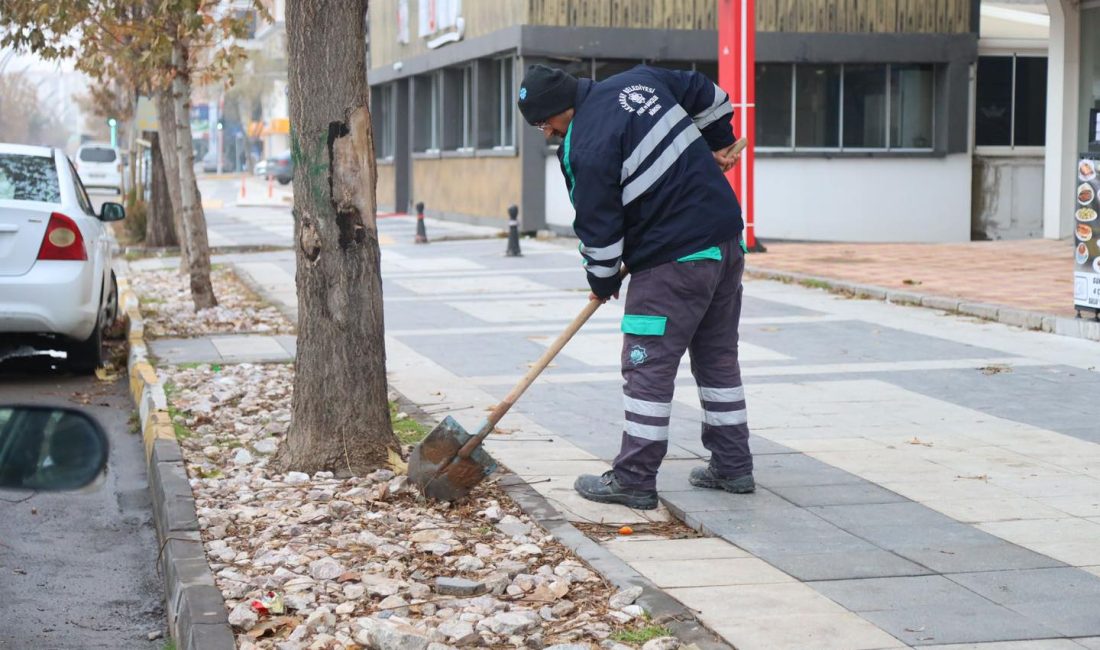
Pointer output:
x,y
541,126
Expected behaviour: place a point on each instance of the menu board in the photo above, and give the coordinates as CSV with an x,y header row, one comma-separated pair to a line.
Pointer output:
x,y
1086,236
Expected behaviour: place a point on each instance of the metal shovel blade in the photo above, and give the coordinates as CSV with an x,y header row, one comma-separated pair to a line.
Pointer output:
x,y
435,469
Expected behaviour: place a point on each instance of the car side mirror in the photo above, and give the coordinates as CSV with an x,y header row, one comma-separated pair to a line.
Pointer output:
x,y
112,211
49,449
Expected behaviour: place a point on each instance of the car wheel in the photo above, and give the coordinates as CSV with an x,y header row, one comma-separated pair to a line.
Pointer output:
x,y
87,355
111,329
283,180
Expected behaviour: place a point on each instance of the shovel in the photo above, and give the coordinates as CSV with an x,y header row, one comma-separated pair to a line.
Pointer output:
x,y
449,462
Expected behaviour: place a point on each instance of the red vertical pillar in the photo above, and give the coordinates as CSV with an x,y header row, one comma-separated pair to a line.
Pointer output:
x,y
737,76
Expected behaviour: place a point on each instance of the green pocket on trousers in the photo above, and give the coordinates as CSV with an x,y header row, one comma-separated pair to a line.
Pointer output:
x,y
712,253
641,325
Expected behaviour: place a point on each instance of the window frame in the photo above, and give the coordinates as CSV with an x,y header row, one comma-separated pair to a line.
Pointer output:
x,y
840,148
993,150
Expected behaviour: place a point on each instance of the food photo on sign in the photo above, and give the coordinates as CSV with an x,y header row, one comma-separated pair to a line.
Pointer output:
x,y
1086,243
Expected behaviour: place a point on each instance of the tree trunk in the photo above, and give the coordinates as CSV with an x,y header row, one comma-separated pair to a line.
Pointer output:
x,y
198,248
166,123
132,136
160,229
340,419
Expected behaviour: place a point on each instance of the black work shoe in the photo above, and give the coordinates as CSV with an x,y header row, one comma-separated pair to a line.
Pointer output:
x,y
706,477
606,489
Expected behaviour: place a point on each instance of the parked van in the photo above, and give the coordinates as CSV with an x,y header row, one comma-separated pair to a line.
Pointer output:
x,y
100,166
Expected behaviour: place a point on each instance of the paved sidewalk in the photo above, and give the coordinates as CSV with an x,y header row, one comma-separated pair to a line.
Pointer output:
x,y
1034,275
925,480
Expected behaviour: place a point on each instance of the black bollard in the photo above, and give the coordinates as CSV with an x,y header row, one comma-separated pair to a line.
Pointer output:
x,y
513,233
421,234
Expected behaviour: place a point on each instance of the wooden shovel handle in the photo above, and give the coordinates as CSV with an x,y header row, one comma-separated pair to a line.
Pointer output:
x,y
500,409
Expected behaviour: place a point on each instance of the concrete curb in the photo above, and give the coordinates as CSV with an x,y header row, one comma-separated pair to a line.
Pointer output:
x,y
664,609
197,617
1075,327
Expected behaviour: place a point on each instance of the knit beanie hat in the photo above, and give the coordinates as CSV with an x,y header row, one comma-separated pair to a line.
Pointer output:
x,y
545,92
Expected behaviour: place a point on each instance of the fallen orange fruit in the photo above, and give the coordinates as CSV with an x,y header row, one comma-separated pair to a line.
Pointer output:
x,y
626,530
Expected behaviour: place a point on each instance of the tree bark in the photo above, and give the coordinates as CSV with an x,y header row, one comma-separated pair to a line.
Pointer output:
x,y
160,228
198,248
340,419
166,123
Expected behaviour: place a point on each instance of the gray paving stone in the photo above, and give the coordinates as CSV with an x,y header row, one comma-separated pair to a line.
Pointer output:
x,y
858,517
843,565
982,623
1033,585
767,532
783,470
176,351
996,556
831,495
699,500
928,610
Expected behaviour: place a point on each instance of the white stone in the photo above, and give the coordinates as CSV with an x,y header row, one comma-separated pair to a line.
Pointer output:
x,y
242,616
469,563
662,643
242,457
321,618
456,630
395,604
389,635
345,608
266,446
625,597
508,623
525,550
634,610
354,591
296,478
325,568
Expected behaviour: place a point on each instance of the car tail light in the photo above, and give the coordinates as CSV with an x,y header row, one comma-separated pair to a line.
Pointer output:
x,y
62,241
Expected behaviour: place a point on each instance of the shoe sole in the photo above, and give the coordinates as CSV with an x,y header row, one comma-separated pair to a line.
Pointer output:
x,y
720,486
618,501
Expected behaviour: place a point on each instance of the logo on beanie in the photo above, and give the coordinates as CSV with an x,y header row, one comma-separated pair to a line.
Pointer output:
x,y
523,92
639,99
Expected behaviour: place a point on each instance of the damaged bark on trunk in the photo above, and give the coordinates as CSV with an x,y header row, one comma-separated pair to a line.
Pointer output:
x,y
341,419
160,229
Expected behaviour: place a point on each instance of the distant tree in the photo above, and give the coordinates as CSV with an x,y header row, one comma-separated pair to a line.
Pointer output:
x,y
162,45
24,118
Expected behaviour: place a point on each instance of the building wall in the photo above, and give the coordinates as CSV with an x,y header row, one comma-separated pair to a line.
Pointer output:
x,y
655,14
385,191
1008,197
473,187
875,16
864,199
481,17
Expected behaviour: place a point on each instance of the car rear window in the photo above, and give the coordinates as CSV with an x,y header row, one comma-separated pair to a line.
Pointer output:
x,y
28,178
97,155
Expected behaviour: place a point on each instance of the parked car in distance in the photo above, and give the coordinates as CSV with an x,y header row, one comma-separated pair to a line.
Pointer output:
x,y
282,167
100,166
261,167
57,289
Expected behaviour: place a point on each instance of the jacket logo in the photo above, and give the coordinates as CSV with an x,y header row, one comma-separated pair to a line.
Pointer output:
x,y
639,99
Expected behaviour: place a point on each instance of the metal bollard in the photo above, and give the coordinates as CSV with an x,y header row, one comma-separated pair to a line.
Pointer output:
x,y
421,234
513,233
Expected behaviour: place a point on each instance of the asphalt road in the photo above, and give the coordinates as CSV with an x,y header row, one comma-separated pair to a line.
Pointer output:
x,y
77,569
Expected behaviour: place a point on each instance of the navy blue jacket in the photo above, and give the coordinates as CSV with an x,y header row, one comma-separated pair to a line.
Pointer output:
x,y
637,162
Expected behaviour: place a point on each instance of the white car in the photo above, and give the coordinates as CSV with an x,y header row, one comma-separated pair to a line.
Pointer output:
x,y
57,289
100,166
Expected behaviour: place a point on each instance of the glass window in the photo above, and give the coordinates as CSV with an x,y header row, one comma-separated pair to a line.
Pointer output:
x,y
993,121
773,95
426,112
865,106
458,131
911,106
1011,101
817,106
383,119
497,103
28,178
81,194
1029,127
97,154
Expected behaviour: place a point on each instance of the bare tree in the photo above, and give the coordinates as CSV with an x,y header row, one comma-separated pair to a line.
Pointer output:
x,y
341,416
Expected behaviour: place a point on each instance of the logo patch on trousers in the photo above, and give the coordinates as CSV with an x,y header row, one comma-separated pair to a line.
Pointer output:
x,y
638,355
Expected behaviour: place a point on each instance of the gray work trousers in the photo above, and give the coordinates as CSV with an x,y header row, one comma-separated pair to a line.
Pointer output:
x,y
692,306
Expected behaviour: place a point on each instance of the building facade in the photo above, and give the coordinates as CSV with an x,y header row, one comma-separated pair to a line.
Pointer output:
x,y
866,111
